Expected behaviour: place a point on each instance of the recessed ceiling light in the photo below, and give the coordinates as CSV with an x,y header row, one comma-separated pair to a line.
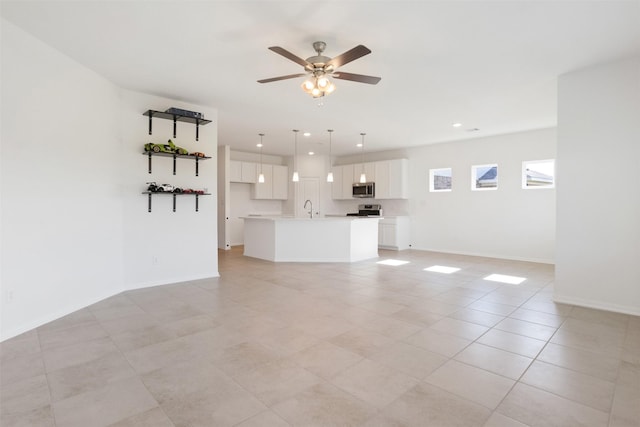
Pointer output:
x,y
359,144
258,145
311,153
456,125
307,134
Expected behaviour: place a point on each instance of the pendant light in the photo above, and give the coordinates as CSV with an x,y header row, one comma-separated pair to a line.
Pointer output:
x,y
261,175
295,177
363,177
330,174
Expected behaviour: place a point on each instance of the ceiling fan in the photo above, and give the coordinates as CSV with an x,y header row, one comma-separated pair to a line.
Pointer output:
x,y
319,67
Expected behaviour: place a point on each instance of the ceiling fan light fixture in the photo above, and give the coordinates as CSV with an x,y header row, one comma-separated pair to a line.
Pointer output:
x,y
323,83
308,86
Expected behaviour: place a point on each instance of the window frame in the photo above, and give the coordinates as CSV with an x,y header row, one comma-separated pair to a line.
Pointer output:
x,y
525,163
474,180
432,188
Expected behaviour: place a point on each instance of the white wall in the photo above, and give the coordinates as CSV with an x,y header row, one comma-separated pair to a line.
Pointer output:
x,y
598,239
510,222
75,228
61,189
163,246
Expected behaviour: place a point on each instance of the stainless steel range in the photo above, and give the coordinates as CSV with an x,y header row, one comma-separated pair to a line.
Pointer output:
x,y
367,210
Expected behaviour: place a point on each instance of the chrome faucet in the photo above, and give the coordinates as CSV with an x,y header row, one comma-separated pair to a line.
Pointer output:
x,y
310,204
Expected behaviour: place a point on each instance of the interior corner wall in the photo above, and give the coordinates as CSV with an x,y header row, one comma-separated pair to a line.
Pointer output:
x,y
598,216
75,226
509,223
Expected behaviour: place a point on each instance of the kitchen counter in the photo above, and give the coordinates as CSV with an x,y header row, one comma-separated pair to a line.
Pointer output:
x,y
323,239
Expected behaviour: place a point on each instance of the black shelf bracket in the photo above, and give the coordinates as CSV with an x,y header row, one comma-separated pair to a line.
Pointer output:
x,y
174,196
197,129
175,121
150,120
175,156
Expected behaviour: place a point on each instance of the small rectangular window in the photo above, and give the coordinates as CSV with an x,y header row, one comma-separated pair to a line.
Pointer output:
x,y
484,177
440,179
538,174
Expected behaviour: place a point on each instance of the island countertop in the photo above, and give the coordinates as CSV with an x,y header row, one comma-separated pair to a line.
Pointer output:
x,y
318,239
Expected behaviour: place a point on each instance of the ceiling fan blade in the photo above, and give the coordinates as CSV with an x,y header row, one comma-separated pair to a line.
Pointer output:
x,y
350,55
275,79
356,77
291,56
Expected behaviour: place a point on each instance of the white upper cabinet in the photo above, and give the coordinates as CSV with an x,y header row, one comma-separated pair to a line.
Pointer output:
x,y
280,182
399,179
243,172
275,185
264,190
336,186
390,176
382,179
347,182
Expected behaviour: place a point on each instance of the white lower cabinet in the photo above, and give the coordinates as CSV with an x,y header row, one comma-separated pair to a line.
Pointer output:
x,y
393,233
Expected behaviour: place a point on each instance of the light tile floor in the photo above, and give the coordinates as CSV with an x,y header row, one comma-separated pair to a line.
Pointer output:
x,y
358,344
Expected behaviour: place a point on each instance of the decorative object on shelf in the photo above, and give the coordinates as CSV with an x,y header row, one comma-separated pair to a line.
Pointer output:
x,y
169,147
261,175
150,152
330,174
176,118
363,177
185,113
295,177
163,189
318,68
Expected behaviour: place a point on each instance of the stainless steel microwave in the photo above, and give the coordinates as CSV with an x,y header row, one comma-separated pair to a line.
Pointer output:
x,y
364,189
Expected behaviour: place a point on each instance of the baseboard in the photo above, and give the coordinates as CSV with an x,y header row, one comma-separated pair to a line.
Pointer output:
x,y
173,281
54,316
598,305
488,255
5,335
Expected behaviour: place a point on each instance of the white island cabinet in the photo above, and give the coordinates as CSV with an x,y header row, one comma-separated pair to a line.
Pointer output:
x,y
329,239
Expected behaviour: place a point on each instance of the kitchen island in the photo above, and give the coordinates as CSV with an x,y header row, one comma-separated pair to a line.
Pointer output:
x,y
328,239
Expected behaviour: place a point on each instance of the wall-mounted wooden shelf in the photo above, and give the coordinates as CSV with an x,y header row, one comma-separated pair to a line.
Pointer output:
x,y
175,156
176,118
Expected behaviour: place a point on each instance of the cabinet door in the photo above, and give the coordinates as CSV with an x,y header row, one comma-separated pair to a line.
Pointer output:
x,y
387,235
336,185
347,181
264,190
236,171
280,182
249,172
382,179
399,179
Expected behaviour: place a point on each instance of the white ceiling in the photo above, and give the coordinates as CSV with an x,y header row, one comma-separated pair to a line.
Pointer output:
x,y
488,65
